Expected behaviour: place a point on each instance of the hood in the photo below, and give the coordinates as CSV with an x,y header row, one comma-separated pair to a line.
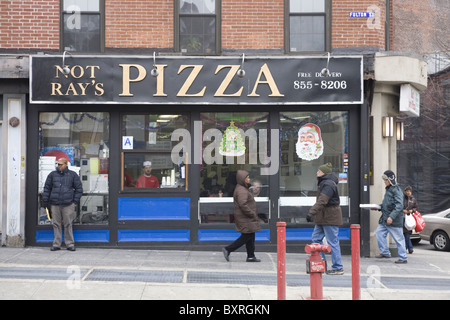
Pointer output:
x,y
330,176
240,178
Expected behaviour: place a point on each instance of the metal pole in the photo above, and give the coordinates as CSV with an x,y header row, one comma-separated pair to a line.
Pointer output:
x,y
281,260
356,280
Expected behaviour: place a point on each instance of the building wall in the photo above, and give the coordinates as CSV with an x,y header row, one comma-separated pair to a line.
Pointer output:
x,y
29,24
257,24
139,24
358,32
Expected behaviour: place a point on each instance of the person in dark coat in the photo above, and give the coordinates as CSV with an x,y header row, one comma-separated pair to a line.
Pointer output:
x,y
409,207
245,216
327,214
62,191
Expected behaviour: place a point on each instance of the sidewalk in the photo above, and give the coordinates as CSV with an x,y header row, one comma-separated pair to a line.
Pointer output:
x,y
38,273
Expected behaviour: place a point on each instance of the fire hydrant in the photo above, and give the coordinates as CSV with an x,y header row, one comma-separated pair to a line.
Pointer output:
x,y
315,266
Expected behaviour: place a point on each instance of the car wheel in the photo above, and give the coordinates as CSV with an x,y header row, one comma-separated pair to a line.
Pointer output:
x,y
441,241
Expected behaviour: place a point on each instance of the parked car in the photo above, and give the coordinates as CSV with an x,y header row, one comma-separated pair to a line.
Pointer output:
x,y
437,229
415,237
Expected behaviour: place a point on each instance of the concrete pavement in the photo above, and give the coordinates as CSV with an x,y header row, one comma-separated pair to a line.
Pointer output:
x,y
36,273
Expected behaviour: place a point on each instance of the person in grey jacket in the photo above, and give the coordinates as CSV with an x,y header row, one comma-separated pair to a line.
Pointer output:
x,y
62,191
245,217
391,220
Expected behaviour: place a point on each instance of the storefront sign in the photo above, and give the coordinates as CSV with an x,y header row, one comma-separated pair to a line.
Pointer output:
x,y
191,80
409,100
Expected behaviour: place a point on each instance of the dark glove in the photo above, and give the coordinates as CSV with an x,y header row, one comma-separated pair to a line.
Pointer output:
x,y
45,205
309,218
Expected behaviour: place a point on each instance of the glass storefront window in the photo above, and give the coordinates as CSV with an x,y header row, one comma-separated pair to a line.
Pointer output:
x,y
231,142
149,160
308,140
83,139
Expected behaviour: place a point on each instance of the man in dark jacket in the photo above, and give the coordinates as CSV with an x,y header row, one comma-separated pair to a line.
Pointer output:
x,y
327,215
62,191
391,220
245,217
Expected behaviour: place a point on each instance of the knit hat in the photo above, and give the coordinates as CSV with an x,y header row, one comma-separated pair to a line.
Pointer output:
x,y
390,175
326,168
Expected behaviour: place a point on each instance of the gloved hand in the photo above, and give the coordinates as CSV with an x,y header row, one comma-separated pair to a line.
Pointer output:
x,y
309,218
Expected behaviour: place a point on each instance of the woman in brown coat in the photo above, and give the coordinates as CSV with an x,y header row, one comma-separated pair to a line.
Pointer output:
x,y
245,217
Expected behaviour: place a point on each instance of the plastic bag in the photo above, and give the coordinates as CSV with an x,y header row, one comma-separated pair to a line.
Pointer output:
x,y
420,223
410,222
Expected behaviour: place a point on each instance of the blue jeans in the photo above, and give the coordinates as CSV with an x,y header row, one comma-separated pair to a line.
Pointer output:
x,y
408,242
397,235
331,232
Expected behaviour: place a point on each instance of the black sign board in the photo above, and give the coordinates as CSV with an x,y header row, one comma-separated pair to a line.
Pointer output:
x,y
195,80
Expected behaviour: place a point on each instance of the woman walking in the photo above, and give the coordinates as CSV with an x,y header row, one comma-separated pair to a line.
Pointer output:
x,y
246,218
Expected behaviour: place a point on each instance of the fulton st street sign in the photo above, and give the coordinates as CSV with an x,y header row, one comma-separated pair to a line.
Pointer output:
x,y
195,80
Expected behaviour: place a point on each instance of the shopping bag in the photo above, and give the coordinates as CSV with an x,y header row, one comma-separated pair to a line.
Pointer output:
x,y
410,222
420,223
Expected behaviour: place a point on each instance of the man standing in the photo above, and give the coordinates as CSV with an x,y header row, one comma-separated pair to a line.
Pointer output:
x,y
147,180
327,215
62,191
245,216
391,220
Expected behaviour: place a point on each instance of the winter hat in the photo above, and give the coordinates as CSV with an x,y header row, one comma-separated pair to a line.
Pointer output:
x,y
326,168
390,175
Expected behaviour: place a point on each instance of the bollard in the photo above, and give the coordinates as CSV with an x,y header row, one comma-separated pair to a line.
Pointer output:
x,y
315,266
281,260
356,280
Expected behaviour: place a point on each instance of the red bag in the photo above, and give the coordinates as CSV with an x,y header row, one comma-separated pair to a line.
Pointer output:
x,y
420,223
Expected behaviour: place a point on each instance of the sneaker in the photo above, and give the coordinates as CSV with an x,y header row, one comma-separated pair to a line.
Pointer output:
x,y
335,272
226,254
401,261
253,259
71,248
382,256
55,248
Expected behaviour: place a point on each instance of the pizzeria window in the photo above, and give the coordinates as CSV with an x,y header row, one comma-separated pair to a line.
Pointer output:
x,y
232,142
83,139
153,157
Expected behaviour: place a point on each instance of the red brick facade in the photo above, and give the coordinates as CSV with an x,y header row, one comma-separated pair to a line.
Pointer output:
x,y
250,24
139,24
358,32
29,24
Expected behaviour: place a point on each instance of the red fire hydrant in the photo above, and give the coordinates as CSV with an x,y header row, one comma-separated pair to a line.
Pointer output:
x,y
315,266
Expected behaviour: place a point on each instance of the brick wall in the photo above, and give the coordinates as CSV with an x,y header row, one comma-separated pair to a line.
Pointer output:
x,y
419,26
139,24
249,24
29,24
252,24
358,32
